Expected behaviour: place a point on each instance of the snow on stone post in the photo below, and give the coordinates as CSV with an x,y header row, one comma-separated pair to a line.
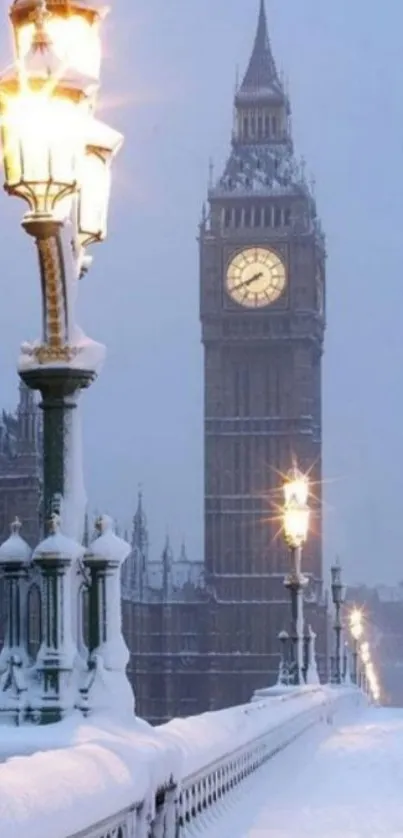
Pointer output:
x,y
56,557
15,558
107,687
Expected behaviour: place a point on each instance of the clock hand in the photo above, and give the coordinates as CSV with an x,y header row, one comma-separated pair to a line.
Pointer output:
x,y
249,281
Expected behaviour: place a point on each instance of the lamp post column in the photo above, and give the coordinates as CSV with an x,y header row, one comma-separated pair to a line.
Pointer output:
x,y
355,661
307,638
283,673
337,596
52,368
295,584
295,525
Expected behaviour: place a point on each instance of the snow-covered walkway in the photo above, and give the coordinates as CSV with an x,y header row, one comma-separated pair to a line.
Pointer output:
x,y
348,784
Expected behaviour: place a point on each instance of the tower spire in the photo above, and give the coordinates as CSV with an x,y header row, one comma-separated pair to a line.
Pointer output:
x,y
262,73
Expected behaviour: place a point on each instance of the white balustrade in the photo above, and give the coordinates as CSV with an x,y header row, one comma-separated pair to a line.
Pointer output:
x,y
192,768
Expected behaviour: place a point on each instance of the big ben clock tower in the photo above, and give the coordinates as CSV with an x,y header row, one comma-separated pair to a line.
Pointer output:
x,y
262,282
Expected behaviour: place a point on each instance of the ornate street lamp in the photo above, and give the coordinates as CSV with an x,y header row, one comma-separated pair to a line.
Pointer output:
x,y
338,598
356,629
295,526
57,158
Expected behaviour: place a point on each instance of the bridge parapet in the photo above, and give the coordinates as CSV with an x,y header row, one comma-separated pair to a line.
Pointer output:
x,y
137,782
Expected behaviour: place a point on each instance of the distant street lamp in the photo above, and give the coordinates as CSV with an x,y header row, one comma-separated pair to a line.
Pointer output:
x,y
295,527
337,597
356,629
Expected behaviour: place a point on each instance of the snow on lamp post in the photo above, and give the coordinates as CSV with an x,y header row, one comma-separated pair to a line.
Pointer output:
x,y
295,527
357,630
337,597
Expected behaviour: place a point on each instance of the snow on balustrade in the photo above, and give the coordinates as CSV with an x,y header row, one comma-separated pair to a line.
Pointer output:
x,y
81,773
97,776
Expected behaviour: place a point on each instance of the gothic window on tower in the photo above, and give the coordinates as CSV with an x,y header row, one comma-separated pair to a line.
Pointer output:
x,y
277,217
267,216
246,392
248,217
237,392
260,127
238,216
227,217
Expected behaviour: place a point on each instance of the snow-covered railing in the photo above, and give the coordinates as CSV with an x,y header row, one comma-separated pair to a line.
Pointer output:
x,y
105,781
232,744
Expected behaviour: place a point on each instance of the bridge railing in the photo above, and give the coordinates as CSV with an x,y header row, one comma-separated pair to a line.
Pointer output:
x,y
157,782
261,730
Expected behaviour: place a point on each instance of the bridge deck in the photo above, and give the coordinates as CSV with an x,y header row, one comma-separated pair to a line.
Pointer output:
x,y
345,785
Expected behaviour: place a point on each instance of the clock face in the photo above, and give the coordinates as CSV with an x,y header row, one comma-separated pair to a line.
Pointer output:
x,y
256,277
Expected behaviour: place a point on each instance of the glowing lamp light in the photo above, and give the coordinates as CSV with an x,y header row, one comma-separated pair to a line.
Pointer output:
x,y
296,512
296,488
356,623
103,143
44,113
73,26
296,526
365,653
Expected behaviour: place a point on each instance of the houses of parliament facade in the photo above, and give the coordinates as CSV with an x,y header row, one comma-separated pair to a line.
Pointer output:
x,y
204,634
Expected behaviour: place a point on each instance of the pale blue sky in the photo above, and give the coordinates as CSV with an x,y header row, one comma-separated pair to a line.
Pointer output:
x,y
168,83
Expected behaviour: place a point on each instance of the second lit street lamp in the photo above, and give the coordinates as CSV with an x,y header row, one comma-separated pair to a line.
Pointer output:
x,y
295,526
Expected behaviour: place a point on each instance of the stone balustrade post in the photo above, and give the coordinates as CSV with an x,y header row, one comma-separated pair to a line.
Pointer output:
x,y
56,557
106,685
15,559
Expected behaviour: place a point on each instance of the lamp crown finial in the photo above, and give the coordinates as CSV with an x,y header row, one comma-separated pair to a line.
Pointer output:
x,y
39,17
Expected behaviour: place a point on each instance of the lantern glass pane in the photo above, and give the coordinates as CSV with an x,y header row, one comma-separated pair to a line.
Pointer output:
x,y
75,39
296,525
10,148
42,147
95,181
296,489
